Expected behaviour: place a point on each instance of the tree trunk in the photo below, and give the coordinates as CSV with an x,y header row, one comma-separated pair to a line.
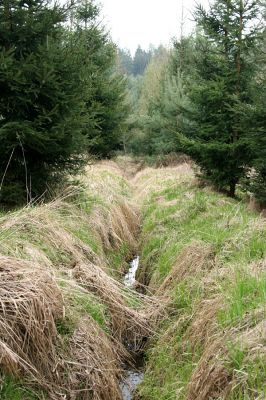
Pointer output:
x,y
232,190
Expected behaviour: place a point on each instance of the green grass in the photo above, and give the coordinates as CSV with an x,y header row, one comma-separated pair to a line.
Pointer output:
x,y
81,304
203,216
243,296
174,218
88,304
251,374
12,390
118,259
170,365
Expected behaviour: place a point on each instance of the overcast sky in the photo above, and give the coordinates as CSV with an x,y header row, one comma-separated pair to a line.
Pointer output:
x,y
133,22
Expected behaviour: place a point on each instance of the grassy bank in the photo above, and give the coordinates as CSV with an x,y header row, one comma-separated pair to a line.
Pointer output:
x,y
66,319
64,316
205,255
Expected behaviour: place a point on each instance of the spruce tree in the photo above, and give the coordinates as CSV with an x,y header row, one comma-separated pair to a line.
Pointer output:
x,y
106,88
40,99
59,98
220,83
255,116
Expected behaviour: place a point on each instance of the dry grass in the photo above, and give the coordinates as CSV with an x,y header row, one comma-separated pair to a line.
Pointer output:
x,y
65,241
128,325
211,379
193,260
150,180
52,253
30,302
95,364
120,224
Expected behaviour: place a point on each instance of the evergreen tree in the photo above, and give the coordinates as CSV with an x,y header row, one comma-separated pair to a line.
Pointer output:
x,y
140,61
218,85
124,62
254,115
59,97
106,96
40,99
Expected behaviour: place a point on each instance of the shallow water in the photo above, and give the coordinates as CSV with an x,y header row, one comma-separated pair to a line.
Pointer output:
x,y
130,277
132,379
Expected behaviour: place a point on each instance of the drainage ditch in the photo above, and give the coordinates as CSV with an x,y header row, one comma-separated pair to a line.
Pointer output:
x,y
133,375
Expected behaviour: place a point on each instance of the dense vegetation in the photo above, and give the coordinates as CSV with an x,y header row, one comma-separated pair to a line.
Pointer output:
x,y
210,103
60,96
204,253
64,96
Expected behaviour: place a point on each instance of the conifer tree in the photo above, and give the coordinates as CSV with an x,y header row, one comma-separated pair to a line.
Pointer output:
x,y
219,84
106,89
255,117
40,99
59,98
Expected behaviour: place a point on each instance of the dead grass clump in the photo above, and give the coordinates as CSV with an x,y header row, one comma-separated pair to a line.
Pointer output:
x,y
204,325
127,324
254,339
223,367
125,222
129,166
116,226
193,260
40,233
95,372
172,159
30,301
211,379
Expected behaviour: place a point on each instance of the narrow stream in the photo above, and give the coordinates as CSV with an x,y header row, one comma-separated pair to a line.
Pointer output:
x,y
133,376
130,277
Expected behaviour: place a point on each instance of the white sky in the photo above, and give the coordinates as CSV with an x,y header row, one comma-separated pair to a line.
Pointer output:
x,y
133,22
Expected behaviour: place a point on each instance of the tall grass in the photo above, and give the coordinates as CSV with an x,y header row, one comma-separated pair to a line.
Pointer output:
x,y
217,296
63,316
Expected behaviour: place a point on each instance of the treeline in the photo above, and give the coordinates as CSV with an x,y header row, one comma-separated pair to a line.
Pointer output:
x,y
136,65
61,98
211,98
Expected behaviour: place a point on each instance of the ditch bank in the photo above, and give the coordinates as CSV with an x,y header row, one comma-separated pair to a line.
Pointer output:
x,y
205,254
67,322
70,325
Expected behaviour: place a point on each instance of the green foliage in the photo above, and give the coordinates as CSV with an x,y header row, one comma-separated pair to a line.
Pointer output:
x,y
124,61
136,65
255,117
218,86
211,99
39,128
175,216
243,295
140,61
13,390
59,98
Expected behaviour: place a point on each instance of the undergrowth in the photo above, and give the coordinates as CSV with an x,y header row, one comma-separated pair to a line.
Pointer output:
x,y
180,219
74,245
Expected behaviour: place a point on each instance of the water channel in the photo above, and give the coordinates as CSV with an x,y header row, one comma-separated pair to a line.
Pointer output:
x,y
133,376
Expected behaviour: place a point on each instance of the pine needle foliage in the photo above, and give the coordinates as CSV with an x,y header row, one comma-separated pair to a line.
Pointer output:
x,y
57,94
219,84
